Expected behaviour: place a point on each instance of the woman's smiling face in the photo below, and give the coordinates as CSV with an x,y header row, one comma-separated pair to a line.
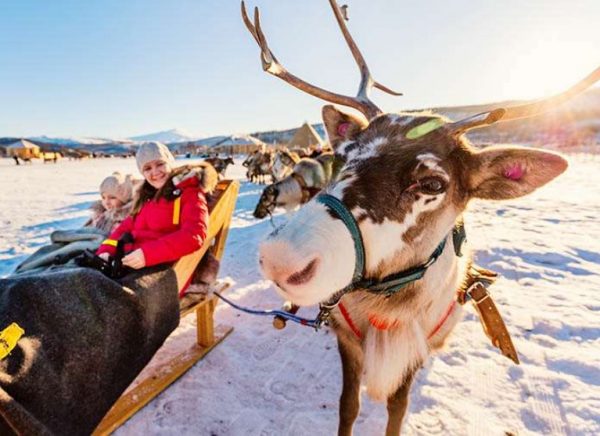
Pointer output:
x,y
156,172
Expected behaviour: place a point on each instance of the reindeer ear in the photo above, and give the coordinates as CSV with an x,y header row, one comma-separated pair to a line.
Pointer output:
x,y
508,172
341,126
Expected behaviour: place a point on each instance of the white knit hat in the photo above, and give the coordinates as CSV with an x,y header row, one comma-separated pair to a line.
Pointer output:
x,y
150,151
118,185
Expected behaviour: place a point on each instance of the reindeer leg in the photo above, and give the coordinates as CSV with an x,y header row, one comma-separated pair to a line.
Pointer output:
x,y
352,366
397,404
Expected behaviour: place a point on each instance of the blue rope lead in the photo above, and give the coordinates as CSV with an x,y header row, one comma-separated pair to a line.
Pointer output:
x,y
282,313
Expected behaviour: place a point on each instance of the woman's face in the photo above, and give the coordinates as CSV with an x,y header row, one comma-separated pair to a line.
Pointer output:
x,y
110,202
156,172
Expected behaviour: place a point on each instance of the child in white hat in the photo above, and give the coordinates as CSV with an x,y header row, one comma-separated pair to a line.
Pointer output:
x,y
116,192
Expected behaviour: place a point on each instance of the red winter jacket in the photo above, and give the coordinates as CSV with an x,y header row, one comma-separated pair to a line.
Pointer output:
x,y
155,229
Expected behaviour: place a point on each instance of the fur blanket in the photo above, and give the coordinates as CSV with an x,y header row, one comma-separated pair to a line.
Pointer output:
x,y
86,339
68,244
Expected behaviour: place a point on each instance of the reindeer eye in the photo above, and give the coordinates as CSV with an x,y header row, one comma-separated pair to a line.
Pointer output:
x,y
432,185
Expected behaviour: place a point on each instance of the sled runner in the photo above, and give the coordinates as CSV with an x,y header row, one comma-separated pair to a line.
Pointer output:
x,y
208,335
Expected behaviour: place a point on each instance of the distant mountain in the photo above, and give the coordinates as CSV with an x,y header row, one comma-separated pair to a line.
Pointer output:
x,y
167,136
577,122
574,123
76,142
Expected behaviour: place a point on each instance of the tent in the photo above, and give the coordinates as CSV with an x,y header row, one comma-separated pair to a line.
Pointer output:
x,y
306,137
231,144
23,149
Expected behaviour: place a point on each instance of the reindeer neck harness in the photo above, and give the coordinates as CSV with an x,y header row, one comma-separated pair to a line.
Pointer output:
x,y
390,284
475,288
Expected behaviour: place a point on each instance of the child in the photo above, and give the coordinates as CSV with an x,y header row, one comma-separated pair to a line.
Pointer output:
x,y
107,213
115,204
169,216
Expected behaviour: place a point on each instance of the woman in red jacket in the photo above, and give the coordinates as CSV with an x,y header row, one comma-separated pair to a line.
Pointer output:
x,y
169,217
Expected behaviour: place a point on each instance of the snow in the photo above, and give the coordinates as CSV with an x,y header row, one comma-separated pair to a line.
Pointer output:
x,y
262,381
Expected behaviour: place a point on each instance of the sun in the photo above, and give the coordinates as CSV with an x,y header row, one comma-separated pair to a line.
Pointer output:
x,y
550,67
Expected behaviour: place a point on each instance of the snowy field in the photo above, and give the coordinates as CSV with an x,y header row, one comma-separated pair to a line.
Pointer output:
x,y
261,381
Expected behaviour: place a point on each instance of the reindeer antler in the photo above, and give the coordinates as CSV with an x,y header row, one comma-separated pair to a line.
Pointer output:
x,y
525,110
361,102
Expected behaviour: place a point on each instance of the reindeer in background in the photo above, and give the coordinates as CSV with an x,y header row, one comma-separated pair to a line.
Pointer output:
x,y
259,165
220,164
386,268
308,176
283,164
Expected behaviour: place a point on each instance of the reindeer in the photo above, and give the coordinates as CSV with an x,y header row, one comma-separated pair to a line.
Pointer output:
x,y
300,151
259,165
385,268
283,164
220,164
307,178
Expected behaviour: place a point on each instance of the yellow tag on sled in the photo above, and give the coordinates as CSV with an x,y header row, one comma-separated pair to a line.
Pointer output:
x,y
9,338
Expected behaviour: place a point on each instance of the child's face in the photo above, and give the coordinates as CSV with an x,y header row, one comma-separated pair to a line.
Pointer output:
x,y
156,172
110,202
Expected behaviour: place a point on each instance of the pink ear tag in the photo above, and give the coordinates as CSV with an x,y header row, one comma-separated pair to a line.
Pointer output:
x,y
342,128
514,172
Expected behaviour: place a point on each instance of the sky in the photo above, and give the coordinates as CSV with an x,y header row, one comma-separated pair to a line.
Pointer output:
x,y
123,68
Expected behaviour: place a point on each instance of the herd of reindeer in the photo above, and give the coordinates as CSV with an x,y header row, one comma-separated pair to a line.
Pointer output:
x,y
296,175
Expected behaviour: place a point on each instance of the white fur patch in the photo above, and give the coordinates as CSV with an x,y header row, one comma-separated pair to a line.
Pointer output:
x,y
401,120
383,241
389,355
311,233
279,169
428,157
431,161
290,194
339,188
342,147
365,151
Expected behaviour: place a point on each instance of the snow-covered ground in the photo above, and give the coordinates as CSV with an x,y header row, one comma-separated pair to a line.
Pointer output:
x,y
261,381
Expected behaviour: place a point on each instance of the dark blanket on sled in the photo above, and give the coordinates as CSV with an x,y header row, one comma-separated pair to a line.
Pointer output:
x,y
86,339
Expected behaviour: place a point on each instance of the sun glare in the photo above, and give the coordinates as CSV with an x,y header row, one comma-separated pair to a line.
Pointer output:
x,y
548,69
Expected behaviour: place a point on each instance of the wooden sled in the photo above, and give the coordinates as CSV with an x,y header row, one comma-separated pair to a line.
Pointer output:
x,y
221,209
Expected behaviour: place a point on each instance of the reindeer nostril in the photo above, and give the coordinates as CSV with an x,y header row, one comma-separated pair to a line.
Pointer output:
x,y
303,276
